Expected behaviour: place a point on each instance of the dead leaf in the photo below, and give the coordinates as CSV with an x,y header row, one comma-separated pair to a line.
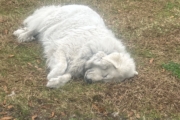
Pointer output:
x,y
36,67
98,108
10,107
115,114
172,17
6,118
4,102
5,32
12,94
5,89
130,114
1,19
3,113
138,116
63,114
29,64
38,61
52,114
151,60
131,118
11,56
34,117
30,104
44,107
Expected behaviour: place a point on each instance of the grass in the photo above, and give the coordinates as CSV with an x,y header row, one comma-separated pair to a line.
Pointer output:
x,y
173,67
149,29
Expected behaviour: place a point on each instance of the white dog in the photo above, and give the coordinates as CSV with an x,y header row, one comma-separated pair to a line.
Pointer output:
x,y
77,43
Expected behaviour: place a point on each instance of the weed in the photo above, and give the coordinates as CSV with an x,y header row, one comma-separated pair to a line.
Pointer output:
x,y
145,53
173,67
172,5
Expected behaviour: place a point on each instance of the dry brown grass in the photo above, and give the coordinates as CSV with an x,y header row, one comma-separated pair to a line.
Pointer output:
x,y
150,30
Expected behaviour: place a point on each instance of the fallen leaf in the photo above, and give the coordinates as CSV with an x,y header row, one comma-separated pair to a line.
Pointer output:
x,y
4,102
63,114
98,108
1,19
115,114
151,60
29,64
3,113
11,56
94,106
52,114
34,117
10,2
130,114
131,118
5,89
38,68
138,116
30,103
172,17
38,61
6,118
10,107
6,32
44,107
12,94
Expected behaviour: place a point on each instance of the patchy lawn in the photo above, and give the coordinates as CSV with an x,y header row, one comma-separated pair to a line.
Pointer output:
x,y
149,29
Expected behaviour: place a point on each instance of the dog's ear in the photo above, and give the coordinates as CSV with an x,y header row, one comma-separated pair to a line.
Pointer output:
x,y
113,58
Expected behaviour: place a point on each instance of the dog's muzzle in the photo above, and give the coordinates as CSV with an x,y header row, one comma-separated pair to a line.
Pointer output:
x,y
87,80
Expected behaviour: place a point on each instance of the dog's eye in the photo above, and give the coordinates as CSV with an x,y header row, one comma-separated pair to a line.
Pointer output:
x,y
105,75
108,76
104,67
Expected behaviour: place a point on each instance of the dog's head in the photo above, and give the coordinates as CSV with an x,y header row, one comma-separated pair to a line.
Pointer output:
x,y
115,66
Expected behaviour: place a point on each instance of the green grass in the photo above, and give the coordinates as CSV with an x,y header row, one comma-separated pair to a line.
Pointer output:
x,y
150,29
146,53
173,67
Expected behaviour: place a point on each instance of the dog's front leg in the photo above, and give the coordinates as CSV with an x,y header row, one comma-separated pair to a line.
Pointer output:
x,y
59,81
58,64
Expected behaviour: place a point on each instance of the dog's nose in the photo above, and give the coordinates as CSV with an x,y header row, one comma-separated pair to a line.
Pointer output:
x,y
88,80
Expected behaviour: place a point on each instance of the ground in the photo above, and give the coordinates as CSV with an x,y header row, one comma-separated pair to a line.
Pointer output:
x,y
149,29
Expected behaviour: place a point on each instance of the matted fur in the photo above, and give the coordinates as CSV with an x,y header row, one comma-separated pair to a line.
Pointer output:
x,y
77,43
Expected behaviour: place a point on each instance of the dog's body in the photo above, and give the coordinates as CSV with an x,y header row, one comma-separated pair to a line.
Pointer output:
x,y
77,43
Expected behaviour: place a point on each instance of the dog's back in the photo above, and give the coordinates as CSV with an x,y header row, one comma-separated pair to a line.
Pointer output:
x,y
49,19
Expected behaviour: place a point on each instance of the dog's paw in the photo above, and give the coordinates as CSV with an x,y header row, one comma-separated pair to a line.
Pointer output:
x,y
18,32
23,35
54,83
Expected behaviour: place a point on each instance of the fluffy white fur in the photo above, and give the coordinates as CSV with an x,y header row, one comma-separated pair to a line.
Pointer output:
x,y
77,43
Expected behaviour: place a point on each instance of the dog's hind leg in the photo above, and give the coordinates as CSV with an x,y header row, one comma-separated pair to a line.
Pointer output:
x,y
24,34
29,29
